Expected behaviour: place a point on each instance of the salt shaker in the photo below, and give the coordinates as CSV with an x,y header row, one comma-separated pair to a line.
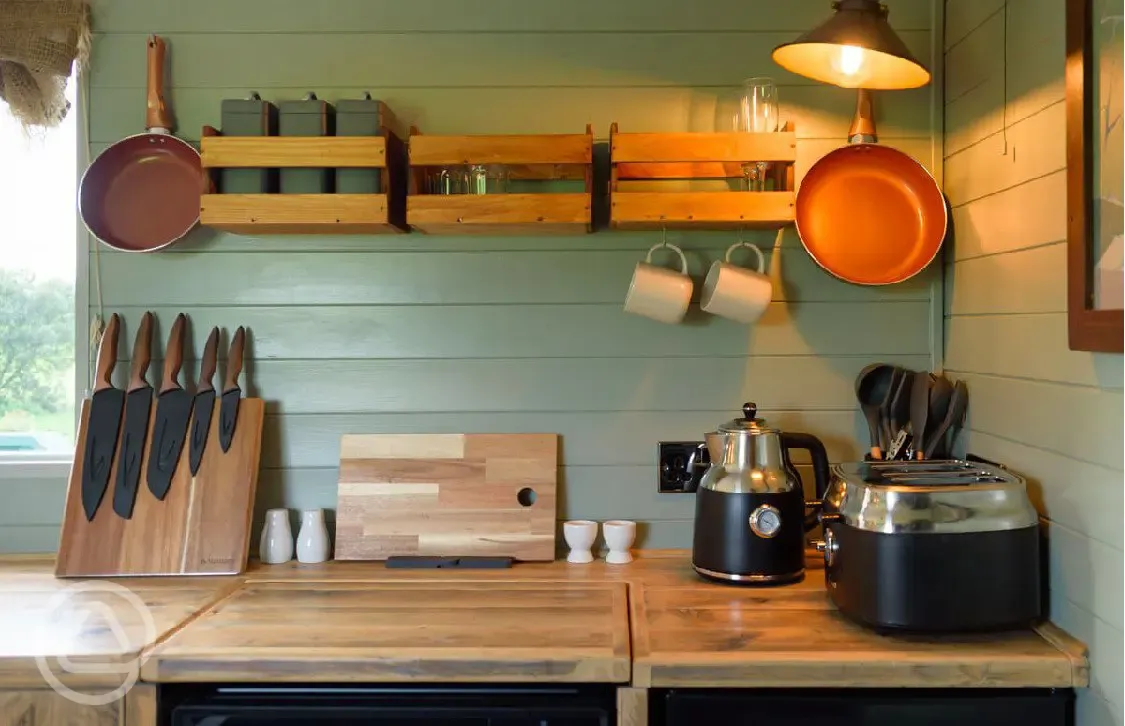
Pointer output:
x,y
276,545
312,539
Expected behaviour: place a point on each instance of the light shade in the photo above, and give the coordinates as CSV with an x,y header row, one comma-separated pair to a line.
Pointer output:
x,y
855,48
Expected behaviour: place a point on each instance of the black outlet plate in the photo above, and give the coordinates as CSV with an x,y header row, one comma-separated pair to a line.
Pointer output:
x,y
680,466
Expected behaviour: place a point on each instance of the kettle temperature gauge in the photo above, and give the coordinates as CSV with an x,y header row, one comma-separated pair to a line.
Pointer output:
x,y
765,521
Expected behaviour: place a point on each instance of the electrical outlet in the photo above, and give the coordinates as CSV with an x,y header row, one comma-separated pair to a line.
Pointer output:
x,y
681,465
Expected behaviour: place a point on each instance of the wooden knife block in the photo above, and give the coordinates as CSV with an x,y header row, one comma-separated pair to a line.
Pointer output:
x,y
201,528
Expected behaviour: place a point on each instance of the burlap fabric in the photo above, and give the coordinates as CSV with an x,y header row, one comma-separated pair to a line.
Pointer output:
x,y
40,42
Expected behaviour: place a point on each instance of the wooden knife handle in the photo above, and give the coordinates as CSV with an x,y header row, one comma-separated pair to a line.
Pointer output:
x,y
209,363
174,355
107,355
142,354
156,116
234,359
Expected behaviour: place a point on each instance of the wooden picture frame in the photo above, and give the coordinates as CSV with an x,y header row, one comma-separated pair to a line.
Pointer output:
x,y
1089,328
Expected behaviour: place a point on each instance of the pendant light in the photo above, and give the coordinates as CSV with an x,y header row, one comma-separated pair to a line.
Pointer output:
x,y
855,48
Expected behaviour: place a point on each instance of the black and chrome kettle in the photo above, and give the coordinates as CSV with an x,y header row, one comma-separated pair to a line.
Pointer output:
x,y
750,510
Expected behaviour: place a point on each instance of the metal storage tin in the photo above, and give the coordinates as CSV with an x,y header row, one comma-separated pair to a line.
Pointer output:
x,y
307,117
248,117
359,117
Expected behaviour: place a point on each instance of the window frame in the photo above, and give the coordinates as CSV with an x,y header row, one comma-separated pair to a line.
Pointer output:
x,y
16,467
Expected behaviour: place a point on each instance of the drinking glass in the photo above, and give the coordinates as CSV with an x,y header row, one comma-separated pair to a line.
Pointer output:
x,y
758,114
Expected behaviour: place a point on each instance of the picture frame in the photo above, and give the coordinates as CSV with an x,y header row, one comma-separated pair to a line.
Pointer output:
x,y
1094,170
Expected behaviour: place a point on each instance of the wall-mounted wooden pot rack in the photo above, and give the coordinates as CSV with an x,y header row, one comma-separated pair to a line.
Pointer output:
x,y
408,200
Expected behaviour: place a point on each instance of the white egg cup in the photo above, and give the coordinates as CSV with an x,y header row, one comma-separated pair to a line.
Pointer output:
x,y
619,537
580,535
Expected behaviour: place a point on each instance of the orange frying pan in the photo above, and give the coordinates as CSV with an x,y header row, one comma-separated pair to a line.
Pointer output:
x,y
870,214
142,193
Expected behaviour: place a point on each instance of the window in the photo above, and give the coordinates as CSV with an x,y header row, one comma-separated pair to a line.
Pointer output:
x,y
38,218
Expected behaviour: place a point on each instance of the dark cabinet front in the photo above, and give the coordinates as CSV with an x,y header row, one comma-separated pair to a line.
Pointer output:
x,y
863,707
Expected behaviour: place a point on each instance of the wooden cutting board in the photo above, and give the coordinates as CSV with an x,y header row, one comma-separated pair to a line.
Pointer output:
x,y
447,495
201,527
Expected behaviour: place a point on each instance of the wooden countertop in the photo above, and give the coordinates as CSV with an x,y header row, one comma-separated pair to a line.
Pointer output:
x,y
653,623
404,631
719,636
43,620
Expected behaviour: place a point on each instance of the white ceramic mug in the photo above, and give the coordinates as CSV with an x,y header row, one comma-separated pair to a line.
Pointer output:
x,y
619,537
580,535
736,292
657,292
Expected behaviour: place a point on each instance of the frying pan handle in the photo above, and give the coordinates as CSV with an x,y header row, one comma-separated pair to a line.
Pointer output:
x,y
863,125
157,117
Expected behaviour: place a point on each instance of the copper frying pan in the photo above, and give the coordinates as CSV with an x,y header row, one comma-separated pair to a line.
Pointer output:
x,y
142,193
870,214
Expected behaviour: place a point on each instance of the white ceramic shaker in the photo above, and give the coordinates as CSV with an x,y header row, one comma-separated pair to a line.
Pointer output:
x,y
276,545
312,539
580,535
619,537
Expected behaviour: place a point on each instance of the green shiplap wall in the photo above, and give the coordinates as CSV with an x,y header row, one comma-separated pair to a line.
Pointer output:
x,y
1053,414
414,333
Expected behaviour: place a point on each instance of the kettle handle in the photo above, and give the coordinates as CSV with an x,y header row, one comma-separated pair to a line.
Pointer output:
x,y
813,445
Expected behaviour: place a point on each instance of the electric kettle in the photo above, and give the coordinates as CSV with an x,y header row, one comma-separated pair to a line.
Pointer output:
x,y
750,510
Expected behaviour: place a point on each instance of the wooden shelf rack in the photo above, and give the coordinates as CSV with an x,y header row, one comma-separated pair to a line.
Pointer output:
x,y
667,157
540,158
277,214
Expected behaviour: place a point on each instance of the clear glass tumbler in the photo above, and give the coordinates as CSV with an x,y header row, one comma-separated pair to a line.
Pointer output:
x,y
758,114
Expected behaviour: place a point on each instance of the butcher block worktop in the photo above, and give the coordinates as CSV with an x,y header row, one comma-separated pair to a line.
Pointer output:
x,y
651,623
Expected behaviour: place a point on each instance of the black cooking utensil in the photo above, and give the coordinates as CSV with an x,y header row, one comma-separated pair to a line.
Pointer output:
x,y
872,389
941,391
228,406
886,429
204,402
955,414
103,424
138,406
900,415
920,410
173,411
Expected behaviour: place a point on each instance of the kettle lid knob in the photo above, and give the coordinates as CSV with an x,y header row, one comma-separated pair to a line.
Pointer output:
x,y
750,411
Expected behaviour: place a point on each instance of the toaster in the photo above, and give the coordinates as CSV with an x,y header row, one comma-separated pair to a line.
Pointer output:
x,y
932,546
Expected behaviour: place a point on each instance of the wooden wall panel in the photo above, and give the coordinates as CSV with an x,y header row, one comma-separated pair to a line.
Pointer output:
x,y
1052,414
415,334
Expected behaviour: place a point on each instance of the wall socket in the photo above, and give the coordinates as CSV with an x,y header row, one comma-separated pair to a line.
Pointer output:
x,y
681,465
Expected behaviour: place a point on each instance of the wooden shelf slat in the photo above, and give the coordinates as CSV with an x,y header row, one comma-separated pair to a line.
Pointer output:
x,y
500,213
693,147
509,149
726,210
293,151
297,213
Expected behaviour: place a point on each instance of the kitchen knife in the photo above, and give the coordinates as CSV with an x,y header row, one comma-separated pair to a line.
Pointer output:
x,y
173,412
204,402
103,425
138,403
228,407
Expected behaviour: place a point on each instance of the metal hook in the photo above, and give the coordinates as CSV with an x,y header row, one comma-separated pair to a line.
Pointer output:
x,y
663,236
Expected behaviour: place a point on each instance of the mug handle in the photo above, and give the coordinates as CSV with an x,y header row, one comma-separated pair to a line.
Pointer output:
x,y
757,253
674,248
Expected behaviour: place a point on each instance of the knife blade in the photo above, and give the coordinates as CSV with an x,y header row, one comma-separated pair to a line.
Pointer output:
x,y
138,404
103,425
204,402
173,412
228,407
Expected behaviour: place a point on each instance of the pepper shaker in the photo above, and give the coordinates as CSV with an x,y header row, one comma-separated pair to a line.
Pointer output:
x,y
276,545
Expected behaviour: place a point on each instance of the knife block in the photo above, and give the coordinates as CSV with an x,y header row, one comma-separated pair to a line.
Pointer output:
x,y
201,528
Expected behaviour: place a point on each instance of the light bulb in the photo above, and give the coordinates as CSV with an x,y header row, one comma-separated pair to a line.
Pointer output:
x,y
850,60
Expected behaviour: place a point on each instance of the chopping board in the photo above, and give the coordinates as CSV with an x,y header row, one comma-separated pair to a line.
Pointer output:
x,y
447,495
201,527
